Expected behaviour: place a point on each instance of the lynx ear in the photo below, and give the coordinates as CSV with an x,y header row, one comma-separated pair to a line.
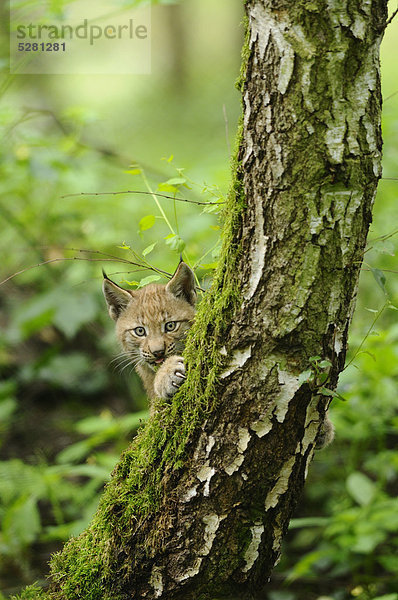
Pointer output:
x,y
182,284
116,297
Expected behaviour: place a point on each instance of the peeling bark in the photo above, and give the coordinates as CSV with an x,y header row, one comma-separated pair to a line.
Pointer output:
x,y
227,460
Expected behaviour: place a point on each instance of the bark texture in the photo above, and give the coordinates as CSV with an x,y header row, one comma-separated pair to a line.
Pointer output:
x,y
198,506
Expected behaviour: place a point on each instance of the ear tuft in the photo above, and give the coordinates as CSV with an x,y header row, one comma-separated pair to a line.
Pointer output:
x,y
116,297
182,284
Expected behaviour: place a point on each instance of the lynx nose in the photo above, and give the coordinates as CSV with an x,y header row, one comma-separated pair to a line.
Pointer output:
x,y
158,353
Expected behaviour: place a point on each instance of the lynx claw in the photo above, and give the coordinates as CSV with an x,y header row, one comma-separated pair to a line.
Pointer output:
x,y
169,377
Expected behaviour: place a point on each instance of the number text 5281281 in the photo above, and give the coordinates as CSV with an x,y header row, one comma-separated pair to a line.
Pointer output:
x,y
41,47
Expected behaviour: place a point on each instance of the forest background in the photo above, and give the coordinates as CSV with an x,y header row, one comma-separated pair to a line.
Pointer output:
x,y
67,409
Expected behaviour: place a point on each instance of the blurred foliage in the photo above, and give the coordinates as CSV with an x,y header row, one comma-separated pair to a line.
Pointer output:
x,y
65,412
346,533
70,146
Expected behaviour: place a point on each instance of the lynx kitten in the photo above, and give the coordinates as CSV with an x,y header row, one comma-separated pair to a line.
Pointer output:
x,y
151,325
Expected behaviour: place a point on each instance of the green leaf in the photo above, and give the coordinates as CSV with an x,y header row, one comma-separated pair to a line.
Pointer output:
x,y
326,392
366,544
380,279
305,565
325,364
133,421
322,377
37,323
88,470
17,478
149,279
175,242
212,208
147,222
74,453
208,266
72,371
74,311
166,187
7,407
360,488
127,282
21,523
308,522
95,424
124,246
387,597
7,388
133,171
306,376
216,251
176,181
384,247
148,249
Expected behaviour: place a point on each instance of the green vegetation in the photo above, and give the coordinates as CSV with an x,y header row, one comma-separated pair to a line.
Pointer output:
x,y
66,412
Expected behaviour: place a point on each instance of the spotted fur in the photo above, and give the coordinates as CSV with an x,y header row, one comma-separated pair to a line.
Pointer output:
x,y
151,325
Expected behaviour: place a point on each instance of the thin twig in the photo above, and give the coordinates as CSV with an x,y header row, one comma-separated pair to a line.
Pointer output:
x,y
104,259
145,265
385,236
391,18
387,302
390,96
381,238
140,192
52,260
382,270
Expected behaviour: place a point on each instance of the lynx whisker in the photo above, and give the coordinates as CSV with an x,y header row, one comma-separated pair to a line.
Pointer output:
x,y
118,357
133,362
124,359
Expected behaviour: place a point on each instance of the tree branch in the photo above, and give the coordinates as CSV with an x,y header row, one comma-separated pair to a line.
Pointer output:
x,y
141,192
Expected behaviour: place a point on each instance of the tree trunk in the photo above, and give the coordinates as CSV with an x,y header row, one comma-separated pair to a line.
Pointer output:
x,y
199,504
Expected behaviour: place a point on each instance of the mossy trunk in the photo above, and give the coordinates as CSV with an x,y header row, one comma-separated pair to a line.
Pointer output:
x,y
200,502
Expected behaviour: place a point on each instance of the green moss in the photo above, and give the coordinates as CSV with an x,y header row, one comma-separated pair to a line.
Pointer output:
x,y
245,57
32,592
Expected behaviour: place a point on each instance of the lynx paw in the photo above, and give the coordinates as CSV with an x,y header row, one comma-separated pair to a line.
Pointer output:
x,y
169,377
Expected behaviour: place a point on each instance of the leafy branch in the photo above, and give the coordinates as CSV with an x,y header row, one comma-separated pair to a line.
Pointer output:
x,y
317,376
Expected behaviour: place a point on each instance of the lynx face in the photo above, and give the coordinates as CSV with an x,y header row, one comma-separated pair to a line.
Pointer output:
x,y
154,325
151,325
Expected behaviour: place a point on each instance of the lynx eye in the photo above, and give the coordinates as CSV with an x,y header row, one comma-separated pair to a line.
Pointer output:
x,y
170,326
139,331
